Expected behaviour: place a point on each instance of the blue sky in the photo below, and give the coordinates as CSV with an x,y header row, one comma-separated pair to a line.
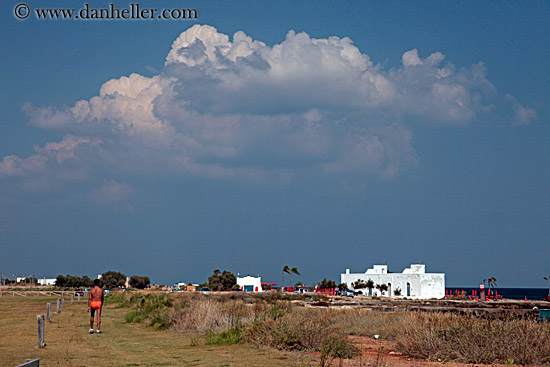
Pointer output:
x,y
318,134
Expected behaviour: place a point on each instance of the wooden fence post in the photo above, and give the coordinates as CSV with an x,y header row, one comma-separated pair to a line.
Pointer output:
x,y
79,297
58,305
63,303
72,298
48,311
41,326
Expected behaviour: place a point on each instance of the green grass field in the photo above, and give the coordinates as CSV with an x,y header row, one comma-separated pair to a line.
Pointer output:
x,y
120,344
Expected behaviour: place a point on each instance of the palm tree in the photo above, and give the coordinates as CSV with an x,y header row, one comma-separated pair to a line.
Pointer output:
x,y
548,279
491,282
295,271
286,269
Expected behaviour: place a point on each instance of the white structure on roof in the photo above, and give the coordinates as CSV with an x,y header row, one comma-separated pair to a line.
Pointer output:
x,y
413,282
250,284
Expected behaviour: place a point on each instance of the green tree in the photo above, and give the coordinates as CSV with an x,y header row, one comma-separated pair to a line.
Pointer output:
x,y
229,280
219,281
215,281
370,286
382,288
87,282
326,284
359,284
293,270
139,282
113,279
60,281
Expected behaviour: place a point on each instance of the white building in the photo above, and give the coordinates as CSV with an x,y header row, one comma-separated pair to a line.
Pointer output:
x,y
46,281
413,282
250,284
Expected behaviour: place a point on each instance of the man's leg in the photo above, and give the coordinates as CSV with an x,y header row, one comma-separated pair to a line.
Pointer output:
x,y
98,319
92,320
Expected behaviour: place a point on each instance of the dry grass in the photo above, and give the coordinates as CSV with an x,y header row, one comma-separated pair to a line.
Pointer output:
x,y
205,314
121,344
467,339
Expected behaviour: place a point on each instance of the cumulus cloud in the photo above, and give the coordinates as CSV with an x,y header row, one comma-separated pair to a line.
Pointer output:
x,y
240,109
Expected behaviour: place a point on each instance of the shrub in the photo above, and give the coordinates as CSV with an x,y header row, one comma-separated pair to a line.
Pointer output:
x,y
151,307
336,346
230,337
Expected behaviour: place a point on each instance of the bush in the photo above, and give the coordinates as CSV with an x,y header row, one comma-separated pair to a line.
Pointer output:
x,y
153,308
230,337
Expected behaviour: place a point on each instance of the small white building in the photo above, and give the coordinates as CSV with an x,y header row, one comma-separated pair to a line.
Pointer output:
x,y
250,284
413,282
46,281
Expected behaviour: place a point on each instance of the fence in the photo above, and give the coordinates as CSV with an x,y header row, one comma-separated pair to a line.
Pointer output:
x,y
62,294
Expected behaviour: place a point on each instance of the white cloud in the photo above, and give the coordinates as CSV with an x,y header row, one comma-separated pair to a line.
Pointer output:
x,y
240,109
522,115
112,193
50,156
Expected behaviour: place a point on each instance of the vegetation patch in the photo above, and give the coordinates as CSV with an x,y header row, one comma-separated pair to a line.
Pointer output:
x,y
467,339
271,321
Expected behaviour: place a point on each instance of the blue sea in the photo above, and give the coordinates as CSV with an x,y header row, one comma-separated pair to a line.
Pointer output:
x,y
532,294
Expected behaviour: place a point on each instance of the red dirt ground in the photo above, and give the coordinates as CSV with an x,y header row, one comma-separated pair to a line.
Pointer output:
x,y
382,353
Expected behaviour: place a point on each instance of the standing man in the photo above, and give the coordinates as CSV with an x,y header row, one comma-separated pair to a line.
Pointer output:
x,y
95,303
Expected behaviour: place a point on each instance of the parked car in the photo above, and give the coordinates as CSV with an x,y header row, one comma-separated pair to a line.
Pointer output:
x,y
79,292
205,290
303,291
346,293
